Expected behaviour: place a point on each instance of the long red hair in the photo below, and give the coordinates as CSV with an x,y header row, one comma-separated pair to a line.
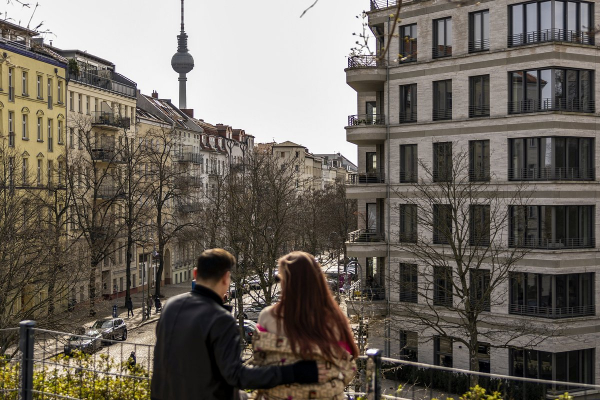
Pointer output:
x,y
307,311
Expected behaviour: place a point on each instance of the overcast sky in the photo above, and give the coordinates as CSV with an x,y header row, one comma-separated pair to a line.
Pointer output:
x,y
259,66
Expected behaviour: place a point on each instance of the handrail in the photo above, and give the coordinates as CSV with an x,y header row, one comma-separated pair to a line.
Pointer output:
x,y
365,235
366,178
551,104
550,35
551,174
406,117
552,312
366,61
479,45
552,244
366,119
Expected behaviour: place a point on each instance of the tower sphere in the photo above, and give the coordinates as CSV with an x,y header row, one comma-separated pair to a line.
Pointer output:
x,y
182,62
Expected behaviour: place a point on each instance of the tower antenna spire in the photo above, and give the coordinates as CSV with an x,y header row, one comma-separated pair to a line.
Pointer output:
x,y
182,62
182,14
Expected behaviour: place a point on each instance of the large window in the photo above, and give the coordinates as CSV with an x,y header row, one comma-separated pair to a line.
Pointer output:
x,y
408,103
442,162
442,286
409,346
479,96
408,223
551,158
547,21
551,89
442,223
408,43
479,232
442,100
409,288
479,160
408,163
552,227
568,366
442,37
552,296
442,351
479,31
480,289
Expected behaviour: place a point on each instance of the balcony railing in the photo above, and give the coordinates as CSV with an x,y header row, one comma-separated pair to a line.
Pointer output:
x,y
408,237
110,119
551,35
109,192
189,157
408,176
107,80
440,51
479,174
479,45
443,299
551,174
535,105
408,116
366,61
552,312
479,111
409,296
366,119
552,244
106,154
365,236
365,178
441,114
381,4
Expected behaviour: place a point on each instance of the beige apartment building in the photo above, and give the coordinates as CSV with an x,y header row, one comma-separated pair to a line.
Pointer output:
x,y
512,84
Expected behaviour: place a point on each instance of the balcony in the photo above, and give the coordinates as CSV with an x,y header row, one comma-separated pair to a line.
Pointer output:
x,y
366,178
107,80
366,129
109,191
189,158
366,73
552,312
551,174
551,35
365,236
188,182
407,117
552,244
106,154
476,111
479,174
366,119
189,208
110,119
476,46
560,104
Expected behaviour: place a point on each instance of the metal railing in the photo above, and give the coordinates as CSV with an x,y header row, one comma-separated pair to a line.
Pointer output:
x,y
408,237
560,104
442,175
408,176
108,191
365,178
189,157
110,119
441,114
409,296
479,111
551,174
408,116
440,51
479,174
552,244
552,312
366,119
479,45
551,35
104,79
366,236
366,61
443,299
106,154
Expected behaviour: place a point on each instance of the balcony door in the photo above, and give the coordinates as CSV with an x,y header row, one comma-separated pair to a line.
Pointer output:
x,y
372,217
371,112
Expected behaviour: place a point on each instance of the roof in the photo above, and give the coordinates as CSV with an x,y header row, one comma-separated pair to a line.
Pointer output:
x,y
287,143
165,110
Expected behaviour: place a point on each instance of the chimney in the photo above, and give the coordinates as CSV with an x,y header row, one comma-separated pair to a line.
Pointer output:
x,y
154,94
188,111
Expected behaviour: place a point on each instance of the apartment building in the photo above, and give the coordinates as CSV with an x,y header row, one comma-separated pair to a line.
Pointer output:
x,y
336,167
512,84
308,168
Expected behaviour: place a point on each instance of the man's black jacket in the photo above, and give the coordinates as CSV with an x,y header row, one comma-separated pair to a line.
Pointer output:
x,y
197,353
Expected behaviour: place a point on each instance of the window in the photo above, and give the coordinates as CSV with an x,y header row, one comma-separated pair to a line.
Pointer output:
x,y
60,172
483,357
11,171
60,132
551,158
50,144
79,107
479,96
408,43
24,171
49,174
408,103
552,296
60,92
479,31
409,289
442,37
408,163
442,100
551,89
479,232
442,162
442,223
479,160
552,227
409,346
479,289
40,137
24,127
71,101
72,138
50,93
24,83
551,20
81,139
39,172
40,94
442,287
11,85
87,105
408,223
442,351
11,129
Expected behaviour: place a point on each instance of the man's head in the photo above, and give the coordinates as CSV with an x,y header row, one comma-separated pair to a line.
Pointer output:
x,y
214,270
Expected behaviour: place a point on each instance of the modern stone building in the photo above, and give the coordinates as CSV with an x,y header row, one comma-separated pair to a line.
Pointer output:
x,y
512,85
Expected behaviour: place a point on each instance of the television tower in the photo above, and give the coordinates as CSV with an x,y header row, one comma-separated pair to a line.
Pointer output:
x,y
182,62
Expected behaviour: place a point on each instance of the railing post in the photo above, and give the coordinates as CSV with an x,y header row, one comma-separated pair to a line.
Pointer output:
x,y
26,347
374,374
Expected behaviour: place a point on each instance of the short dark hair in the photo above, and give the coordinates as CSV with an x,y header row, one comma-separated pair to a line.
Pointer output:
x,y
214,263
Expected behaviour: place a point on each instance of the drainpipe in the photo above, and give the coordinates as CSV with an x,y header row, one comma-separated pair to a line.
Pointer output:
x,y
388,199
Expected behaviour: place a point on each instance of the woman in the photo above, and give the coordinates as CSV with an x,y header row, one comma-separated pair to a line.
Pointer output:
x,y
306,324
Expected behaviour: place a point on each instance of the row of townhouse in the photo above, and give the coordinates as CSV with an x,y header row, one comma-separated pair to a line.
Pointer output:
x,y
512,85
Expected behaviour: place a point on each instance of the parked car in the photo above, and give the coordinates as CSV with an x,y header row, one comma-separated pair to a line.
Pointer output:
x,y
89,342
250,329
253,311
111,328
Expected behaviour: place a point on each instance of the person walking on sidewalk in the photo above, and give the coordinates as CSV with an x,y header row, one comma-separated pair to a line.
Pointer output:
x,y
149,305
197,352
129,305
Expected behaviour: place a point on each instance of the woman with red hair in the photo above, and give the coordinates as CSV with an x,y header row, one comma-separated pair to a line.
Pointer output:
x,y
306,324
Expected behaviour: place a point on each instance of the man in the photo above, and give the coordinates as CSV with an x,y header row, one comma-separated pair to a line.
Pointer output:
x,y
129,305
197,353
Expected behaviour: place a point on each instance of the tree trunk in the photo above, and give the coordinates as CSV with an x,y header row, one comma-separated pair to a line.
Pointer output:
x,y
160,269
128,266
92,289
473,360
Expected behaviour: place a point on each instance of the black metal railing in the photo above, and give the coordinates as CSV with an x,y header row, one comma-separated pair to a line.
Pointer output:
x,y
553,244
366,61
441,114
408,176
442,299
551,35
442,175
365,236
408,237
551,174
409,296
479,111
365,178
552,312
109,191
189,157
440,51
560,104
479,45
366,119
104,79
105,154
479,174
108,118
381,4
408,116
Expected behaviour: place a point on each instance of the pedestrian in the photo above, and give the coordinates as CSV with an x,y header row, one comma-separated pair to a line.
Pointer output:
x,y
129,305
197,352
149,306
131,361
157,304
291,330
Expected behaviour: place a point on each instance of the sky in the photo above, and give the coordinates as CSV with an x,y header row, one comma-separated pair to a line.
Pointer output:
x,y
258,65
